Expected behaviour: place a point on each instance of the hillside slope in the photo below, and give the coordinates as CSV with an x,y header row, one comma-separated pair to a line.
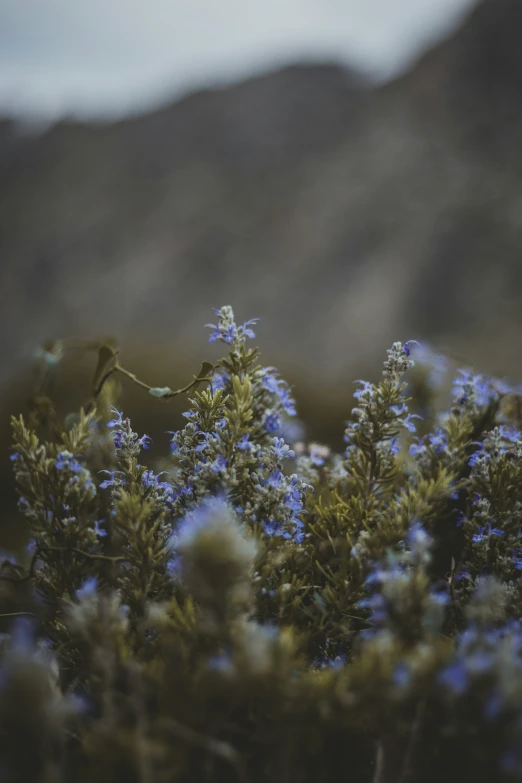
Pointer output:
x,y
342,215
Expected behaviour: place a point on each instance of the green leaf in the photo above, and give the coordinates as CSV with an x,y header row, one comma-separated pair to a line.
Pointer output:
x,y
160,391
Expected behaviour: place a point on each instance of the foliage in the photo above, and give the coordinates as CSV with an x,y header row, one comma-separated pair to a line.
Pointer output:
x,y
263,610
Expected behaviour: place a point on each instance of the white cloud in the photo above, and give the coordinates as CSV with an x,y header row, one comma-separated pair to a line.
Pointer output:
x,y
109,56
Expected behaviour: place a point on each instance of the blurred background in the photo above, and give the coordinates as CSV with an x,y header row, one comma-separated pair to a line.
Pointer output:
x,y
349,171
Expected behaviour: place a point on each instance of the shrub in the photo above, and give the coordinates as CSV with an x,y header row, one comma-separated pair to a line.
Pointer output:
x,y
270,611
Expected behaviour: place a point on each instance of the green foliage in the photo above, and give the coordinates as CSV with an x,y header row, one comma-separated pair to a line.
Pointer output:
x,y
263,611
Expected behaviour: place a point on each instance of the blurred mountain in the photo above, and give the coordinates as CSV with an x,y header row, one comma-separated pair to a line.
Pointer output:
x,y
344,215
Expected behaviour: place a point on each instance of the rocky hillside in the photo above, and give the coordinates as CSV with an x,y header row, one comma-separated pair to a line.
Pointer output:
x,y
341,214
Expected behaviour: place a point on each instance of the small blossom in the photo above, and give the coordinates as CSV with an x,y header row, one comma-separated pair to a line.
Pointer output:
x,y
365,393
272,422
100,531
395,446
247,330
117,421
438,440
244,443
408,422
281,450
455,677
110,482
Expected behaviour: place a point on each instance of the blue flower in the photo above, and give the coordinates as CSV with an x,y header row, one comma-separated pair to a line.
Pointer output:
x,y
226,329
461,518
417,536
367,390
219,379
473,390
221,663
462,573
408,422
270,528
479,662
243,443
417,448
225,332
66,460
247,331
509,432
455,677
150,479
118,421
402,675
276,478
203,444
275,529
330,663
145,441
271,383
478,456
110,481
293,502
277,386
219,464
61,461
318,454
100,532
272,422
281,450
485,532
438,440
406,347
395,446
174,565
287,401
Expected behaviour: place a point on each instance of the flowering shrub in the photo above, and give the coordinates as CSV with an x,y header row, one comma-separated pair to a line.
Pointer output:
x,y
268,611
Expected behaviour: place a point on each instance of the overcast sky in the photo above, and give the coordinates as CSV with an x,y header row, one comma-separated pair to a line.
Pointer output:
x,y
100,57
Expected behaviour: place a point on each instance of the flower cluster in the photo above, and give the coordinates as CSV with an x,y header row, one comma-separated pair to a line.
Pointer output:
x,y
142,504
382,410
228,445
486,669
226,329
404,606
58,498
261,608
492,523
472,391
276,500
